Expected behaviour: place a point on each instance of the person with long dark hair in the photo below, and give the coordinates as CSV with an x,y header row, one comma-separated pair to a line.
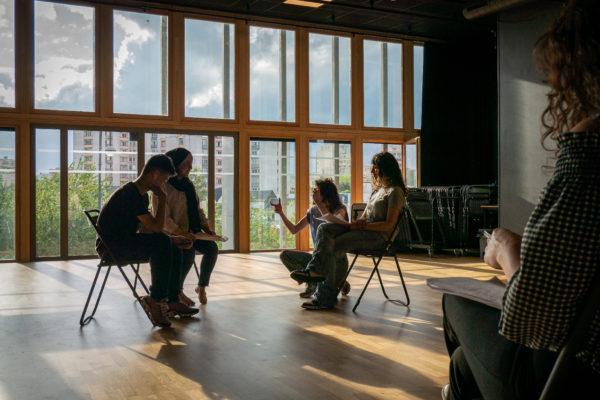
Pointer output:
x,y
509,353
326,201
184,218
329,263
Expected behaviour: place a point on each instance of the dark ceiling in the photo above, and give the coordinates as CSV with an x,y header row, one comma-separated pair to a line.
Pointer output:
x,y
427,19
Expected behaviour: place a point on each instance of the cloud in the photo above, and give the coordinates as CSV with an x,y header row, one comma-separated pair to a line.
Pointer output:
x,y
133,34
45,10
55,73
7,88
202,99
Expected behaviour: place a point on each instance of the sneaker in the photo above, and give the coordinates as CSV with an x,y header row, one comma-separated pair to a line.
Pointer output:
x,y
315,305
346,288
156,311
177,308
306,275
311,288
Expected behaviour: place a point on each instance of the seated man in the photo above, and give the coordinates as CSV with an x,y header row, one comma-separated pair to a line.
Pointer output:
x,y
118,223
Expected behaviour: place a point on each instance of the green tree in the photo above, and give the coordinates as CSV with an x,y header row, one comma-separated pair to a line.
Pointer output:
x,y
47,215
7,220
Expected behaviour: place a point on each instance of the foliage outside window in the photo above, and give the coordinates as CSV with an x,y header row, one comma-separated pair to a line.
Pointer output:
x,y
7,53
140,63
272,74
7,194
93,175
64,57
47,192
382,78
274,178
209,69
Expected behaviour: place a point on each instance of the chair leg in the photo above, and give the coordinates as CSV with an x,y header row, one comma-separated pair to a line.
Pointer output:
x,y
398,301
83,320
136,271
366,285
347,273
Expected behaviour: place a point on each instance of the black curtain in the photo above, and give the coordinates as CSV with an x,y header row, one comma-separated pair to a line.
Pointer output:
x,y
459,128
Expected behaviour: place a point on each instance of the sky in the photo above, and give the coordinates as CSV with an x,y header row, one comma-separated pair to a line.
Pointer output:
x,y
7,54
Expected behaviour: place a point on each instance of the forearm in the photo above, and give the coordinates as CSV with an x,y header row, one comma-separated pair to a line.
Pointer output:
x,y
510,263
291,227
381,226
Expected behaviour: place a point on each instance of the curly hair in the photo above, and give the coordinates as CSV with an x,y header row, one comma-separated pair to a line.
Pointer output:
x,y
569,57
329,193
388,167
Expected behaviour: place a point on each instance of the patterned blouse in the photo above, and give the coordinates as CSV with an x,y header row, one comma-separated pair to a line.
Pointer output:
x,y
560,253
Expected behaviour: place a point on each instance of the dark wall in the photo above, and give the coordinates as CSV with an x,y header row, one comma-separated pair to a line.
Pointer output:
x,y
522,101
459,127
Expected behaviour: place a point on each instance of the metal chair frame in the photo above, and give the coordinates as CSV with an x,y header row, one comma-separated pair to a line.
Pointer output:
x,y
109,262
388,250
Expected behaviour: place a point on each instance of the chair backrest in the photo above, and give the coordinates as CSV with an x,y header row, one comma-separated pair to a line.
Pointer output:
x,y
574,344
400,236
92,216
356,211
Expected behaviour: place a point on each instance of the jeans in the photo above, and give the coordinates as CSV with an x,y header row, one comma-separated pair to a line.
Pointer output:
x,y
165,261
209,251
485,364
294,259
329,256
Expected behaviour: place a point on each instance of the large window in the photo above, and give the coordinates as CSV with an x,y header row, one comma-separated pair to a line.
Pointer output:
x,y
225,192
7,194
47,192
209,69
98,163
411,165
332,160
217,199
272,176
418,83
382,80
141,59
329,79
7,53
369,150
64,57
272,74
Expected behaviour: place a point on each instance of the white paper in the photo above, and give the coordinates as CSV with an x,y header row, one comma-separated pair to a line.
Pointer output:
x,y
336,219
488,292
214,238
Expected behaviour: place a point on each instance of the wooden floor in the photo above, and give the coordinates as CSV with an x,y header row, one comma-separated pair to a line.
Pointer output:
x,y
252,340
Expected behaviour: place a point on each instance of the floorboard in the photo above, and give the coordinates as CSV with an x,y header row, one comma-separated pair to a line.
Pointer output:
x,y
251,341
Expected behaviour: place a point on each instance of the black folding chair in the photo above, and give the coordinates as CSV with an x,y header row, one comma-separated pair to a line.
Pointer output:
x,y
109,260
391,247
576,339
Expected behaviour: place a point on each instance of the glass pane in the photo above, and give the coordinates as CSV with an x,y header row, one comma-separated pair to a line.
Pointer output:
x,y
160,143
99,162
329,79
369,150
332,160
411,165
383,84
140,53
225,190
64,57
47,192
272,74
209,69
272,176
418,83
7,53
7,194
